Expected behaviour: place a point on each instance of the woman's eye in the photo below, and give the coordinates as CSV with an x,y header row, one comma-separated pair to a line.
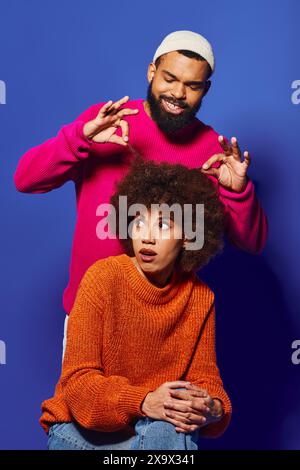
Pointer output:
x,y
164,225
138,223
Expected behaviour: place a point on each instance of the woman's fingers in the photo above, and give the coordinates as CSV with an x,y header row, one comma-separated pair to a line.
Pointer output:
x,y
178,421
186,407
200,391
186,418
177,384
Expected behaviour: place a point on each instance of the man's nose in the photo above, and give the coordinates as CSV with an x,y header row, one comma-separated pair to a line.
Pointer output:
x,y
179,91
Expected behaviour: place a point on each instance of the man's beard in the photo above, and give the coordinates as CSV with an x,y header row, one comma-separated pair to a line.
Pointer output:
x,y
169,122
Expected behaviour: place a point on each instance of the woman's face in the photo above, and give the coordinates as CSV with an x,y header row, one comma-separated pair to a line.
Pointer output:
x,y
161,237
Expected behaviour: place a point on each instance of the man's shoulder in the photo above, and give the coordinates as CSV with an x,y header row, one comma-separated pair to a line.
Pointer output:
x,y
204,127
207,133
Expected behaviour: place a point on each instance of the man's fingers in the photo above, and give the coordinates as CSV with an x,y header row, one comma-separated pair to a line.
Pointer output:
x,y
104,109
247,158
117,139
119,103
224,145
236,152
212,171
218,157
126,112
125,130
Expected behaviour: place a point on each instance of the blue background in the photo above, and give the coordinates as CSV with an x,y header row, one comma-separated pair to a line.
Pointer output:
x,y
60,57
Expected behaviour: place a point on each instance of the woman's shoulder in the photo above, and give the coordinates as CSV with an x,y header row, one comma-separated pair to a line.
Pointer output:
x,y
103,270
202,290
101,278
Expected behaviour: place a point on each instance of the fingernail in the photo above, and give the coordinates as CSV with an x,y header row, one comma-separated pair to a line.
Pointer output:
x,y
126,138
220,137
205,166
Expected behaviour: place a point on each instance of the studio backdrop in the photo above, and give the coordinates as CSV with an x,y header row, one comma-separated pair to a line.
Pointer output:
x,y
60,57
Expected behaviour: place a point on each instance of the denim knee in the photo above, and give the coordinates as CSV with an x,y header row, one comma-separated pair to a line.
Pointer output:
x,y
154,434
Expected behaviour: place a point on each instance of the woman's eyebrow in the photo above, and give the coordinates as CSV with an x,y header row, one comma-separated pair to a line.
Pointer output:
x,y
166,217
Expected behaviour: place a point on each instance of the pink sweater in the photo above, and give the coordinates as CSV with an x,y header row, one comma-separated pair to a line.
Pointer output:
x,y
95,168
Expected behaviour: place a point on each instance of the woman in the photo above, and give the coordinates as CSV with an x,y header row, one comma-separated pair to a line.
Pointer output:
x,y
140,370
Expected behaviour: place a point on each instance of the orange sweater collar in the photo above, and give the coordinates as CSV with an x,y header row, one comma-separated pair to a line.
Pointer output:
x,y
144,288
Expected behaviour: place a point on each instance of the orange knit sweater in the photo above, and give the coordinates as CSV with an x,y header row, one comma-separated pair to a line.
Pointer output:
x,y
125,338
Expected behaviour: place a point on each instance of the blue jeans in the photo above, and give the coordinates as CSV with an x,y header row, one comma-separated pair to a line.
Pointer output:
x,y
150,434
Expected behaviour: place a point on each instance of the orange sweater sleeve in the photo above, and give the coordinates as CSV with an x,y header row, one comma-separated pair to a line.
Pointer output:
x,y
204,372
95,401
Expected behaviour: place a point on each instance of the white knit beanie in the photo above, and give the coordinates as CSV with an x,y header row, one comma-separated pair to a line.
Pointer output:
x,y
187,40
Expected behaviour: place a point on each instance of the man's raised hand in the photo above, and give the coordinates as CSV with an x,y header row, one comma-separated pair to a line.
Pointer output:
x,y
103,128
232,172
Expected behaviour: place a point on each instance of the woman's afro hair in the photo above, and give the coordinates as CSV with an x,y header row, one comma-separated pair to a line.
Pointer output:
x,y
149,183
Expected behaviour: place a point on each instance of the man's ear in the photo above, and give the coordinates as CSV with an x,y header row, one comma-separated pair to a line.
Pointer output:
x,y
207,87
151,72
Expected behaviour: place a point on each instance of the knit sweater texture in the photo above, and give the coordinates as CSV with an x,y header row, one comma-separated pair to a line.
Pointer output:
x,y
95,168
125,338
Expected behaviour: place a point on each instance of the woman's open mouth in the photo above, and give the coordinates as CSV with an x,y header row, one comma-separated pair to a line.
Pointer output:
x,y
147,255
171,108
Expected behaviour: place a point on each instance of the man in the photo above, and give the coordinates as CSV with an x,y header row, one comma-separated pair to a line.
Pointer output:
x,y
162,128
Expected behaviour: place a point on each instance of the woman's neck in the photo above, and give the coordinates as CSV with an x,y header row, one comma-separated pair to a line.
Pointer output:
x,y
160,279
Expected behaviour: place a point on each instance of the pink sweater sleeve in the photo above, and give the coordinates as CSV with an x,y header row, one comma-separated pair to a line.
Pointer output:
x,y
50,164
246,222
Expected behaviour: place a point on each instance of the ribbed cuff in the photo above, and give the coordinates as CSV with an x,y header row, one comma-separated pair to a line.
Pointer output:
x,y
77,141
81,134
130,400
217,428
233,195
